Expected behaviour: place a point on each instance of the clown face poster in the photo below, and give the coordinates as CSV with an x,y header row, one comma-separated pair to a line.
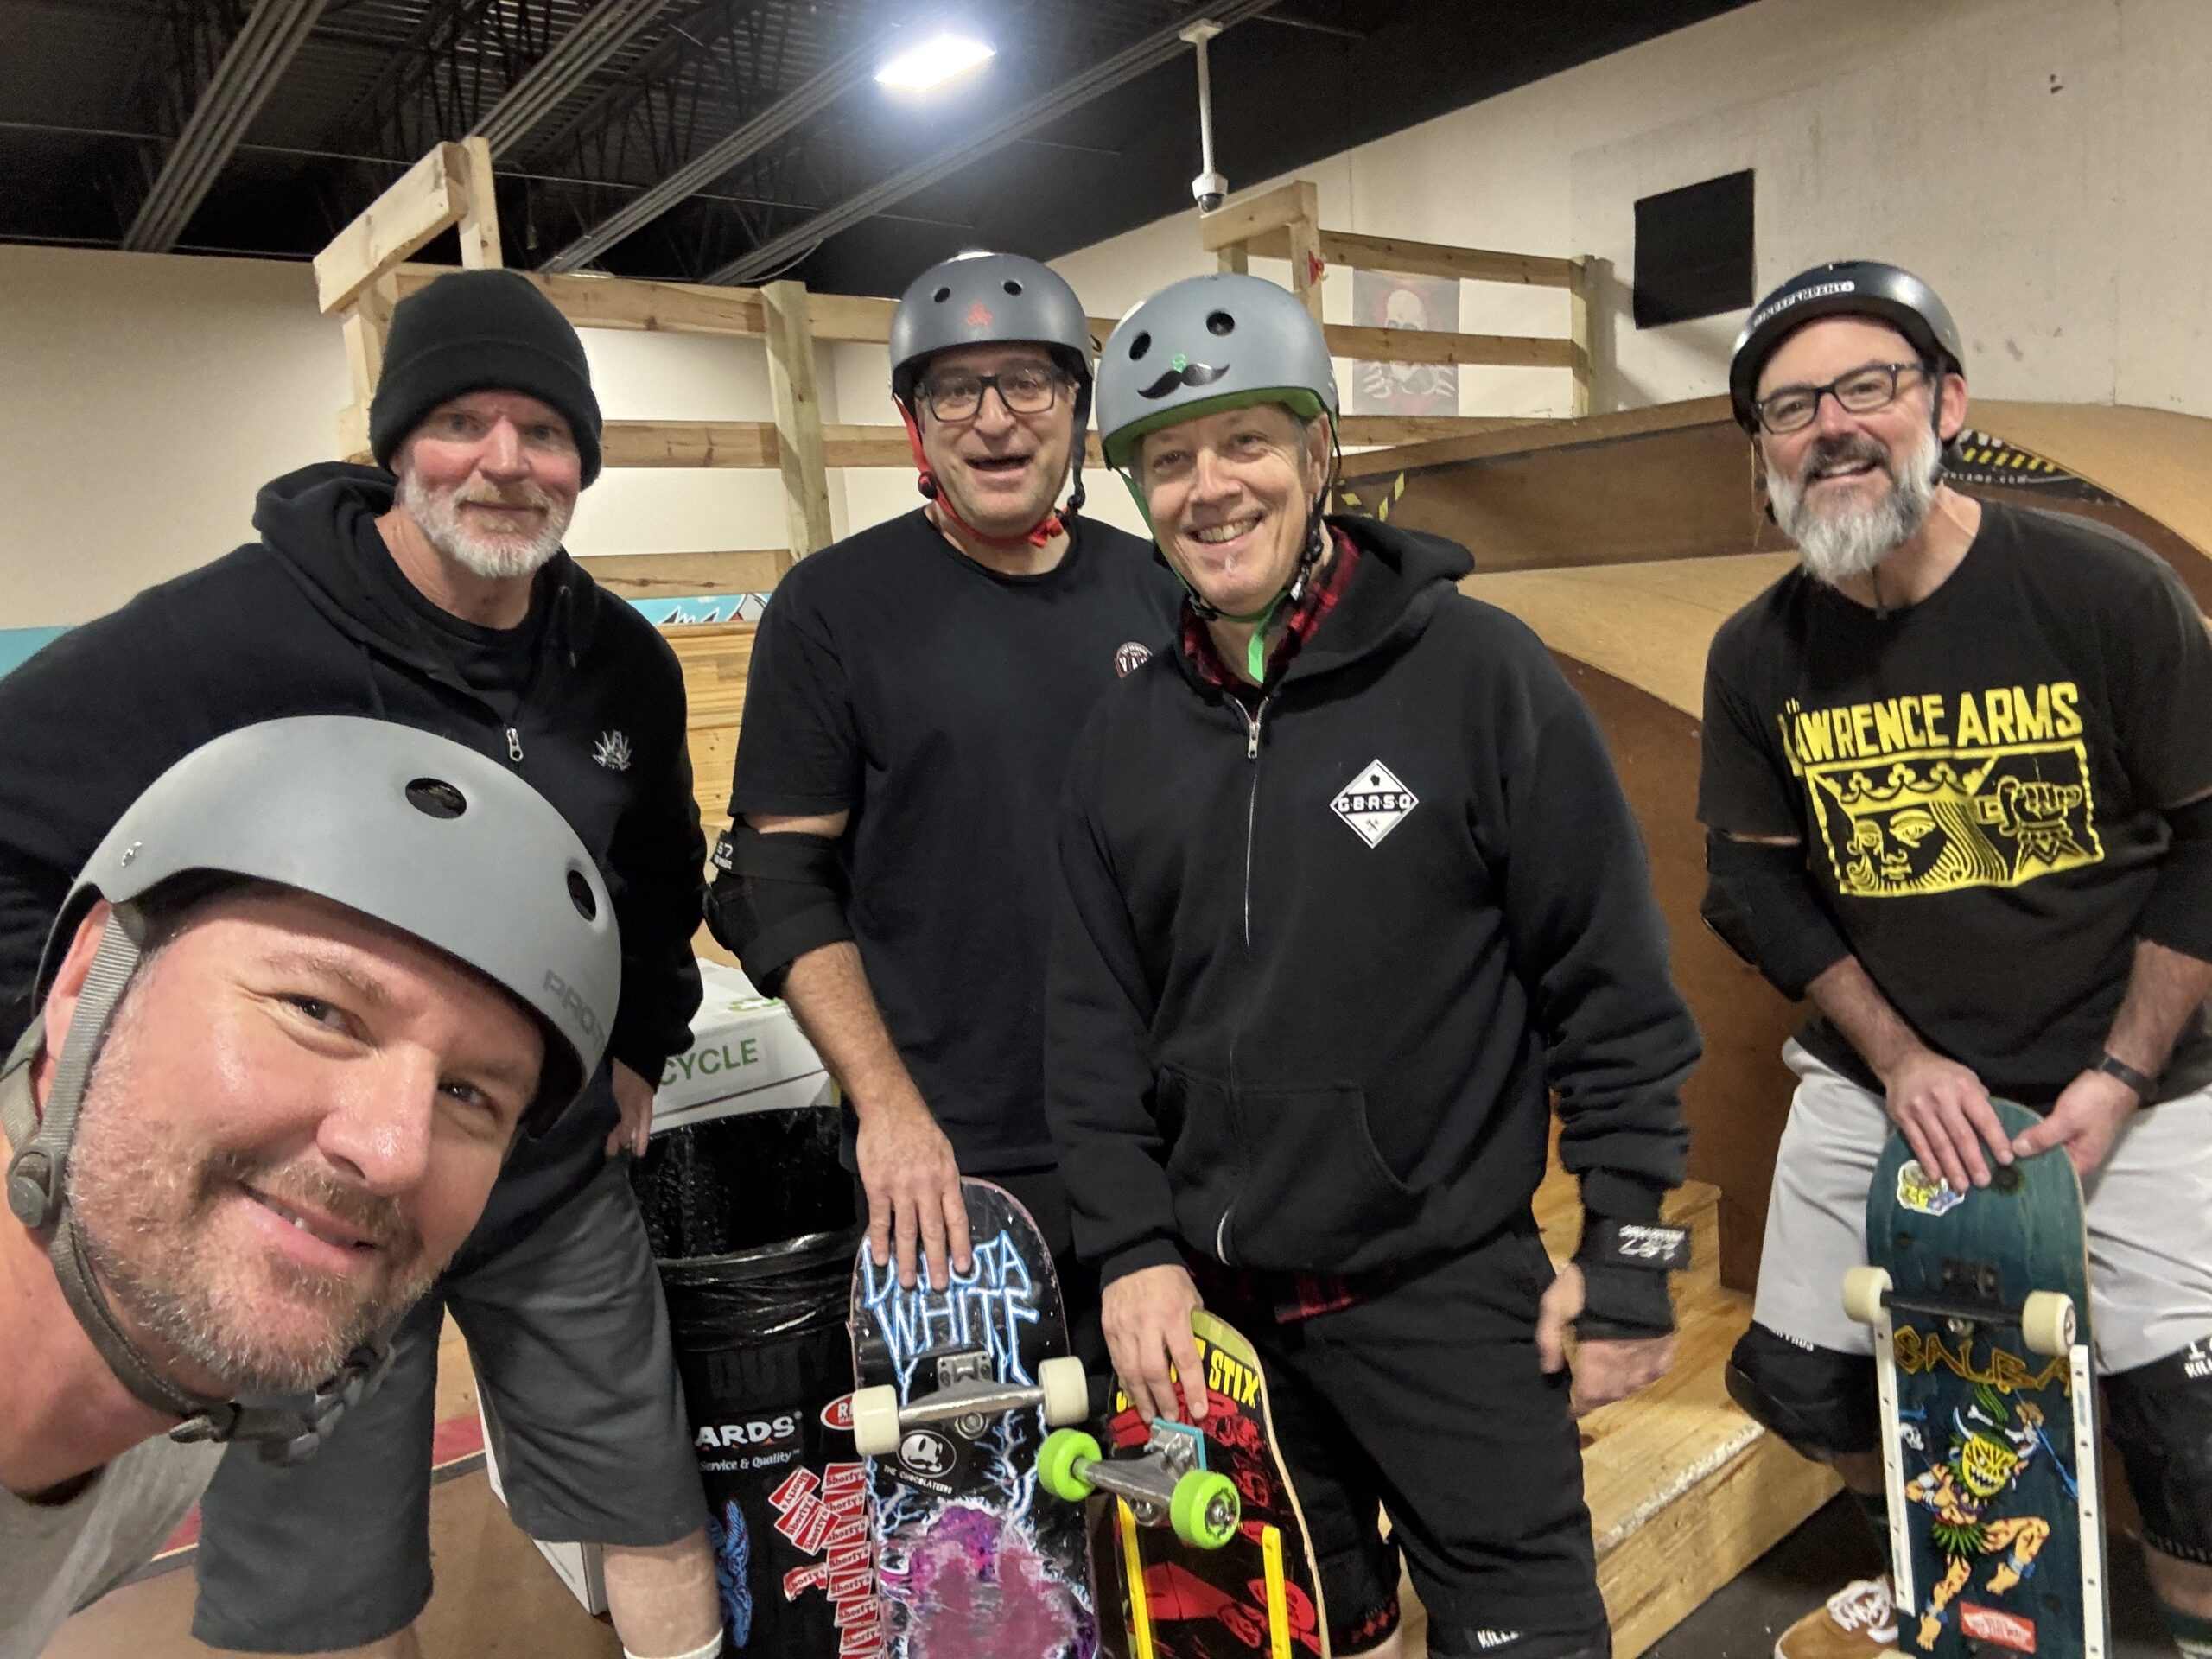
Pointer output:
x,y
1382,299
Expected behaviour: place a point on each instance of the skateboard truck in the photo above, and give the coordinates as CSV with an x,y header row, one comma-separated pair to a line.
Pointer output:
x,y
2047,1321
967,1396
1165,1484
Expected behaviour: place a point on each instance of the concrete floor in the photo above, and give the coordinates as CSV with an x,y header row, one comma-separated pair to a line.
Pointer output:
x,y
1833,1548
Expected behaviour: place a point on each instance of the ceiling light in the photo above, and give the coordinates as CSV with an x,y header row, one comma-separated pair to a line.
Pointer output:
x,y
933,62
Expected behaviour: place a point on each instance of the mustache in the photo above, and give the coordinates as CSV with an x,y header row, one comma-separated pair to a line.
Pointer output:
x,y
1845,449
1191,374
522,495
377,1221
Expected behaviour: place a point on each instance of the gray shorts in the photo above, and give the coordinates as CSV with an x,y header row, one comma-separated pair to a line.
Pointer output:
x,y
2149,1211
569,1338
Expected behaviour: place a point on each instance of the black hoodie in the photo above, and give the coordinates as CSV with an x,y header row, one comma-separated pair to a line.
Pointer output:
x,y
1315,970
316,617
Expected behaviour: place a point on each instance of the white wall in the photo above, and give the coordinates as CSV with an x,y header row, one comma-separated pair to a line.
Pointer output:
x,y
2045,162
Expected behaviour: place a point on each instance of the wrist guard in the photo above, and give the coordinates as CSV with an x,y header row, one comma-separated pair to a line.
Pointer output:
x,y
1624,1268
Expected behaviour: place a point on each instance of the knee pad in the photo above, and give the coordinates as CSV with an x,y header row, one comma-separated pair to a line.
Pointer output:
x,y
2160,1417
1821,1403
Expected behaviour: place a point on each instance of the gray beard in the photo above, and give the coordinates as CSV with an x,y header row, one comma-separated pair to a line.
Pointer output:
x,y
1838,544
438,514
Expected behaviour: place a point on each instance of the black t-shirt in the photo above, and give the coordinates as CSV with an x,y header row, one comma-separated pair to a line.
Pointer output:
x,y
497,663
936,701
1977,779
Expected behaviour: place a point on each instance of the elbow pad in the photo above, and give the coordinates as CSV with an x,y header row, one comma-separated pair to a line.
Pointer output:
x,y
2179,914
1761,902
773,898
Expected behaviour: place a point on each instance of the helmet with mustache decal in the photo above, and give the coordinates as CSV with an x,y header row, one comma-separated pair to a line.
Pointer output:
x,y
1221,341
1848,288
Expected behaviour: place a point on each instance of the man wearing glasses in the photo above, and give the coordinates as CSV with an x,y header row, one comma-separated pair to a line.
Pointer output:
x,y
1956,772
913,695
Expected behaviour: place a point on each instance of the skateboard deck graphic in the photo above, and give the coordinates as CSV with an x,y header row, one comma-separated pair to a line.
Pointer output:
x,y
1257,1594
971,1564
1988,1405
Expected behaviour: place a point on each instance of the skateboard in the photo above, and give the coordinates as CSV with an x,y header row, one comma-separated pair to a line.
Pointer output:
x,y
1213,1547
958,1386
1979,1304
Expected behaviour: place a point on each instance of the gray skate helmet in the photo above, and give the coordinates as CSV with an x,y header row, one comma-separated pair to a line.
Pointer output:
x,y
402,826
1206,343
1861,288
987,299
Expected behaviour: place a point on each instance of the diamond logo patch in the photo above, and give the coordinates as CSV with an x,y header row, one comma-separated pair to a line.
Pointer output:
x,y
1374,803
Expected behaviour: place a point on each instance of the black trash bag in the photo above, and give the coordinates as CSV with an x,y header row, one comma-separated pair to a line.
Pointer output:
x,y
734,1182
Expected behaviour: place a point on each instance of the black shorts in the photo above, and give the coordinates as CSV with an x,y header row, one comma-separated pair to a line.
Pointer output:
x,y
1425,1400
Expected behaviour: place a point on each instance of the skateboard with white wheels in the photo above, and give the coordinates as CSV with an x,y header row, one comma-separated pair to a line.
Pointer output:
x,y
1212,1543
1979,1304
958,1386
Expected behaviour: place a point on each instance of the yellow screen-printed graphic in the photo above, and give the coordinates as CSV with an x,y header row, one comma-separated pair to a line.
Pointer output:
x,y
1936,792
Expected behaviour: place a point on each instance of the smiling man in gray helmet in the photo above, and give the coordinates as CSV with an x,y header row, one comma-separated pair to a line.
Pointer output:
x,y
1349,893
1958,785
913,693
294,1015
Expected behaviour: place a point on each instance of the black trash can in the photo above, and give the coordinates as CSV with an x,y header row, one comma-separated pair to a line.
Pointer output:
x,y
755,1223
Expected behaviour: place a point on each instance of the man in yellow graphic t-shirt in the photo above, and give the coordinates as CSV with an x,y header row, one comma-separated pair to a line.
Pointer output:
x,y
1955,781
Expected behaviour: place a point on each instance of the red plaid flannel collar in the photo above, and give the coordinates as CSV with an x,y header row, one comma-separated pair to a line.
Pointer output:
x,y
1305,617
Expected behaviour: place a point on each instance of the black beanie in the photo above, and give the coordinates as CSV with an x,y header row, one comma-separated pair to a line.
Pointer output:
x,y
480,331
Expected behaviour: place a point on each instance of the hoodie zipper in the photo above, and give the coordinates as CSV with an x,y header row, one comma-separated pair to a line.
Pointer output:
x,y
514,746
1251,817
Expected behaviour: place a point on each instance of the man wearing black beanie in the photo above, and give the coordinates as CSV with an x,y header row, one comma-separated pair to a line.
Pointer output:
x,y
431,590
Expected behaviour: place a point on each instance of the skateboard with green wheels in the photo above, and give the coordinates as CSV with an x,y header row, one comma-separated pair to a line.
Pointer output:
x,y
1214,1552
1979,1304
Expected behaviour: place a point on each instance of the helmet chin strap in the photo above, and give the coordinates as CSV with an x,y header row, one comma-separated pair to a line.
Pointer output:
x,y
1053,523
1309,559
38,1194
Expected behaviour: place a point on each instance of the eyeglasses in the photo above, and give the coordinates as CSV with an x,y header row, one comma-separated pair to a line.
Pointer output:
x,y
1791,408
1030,389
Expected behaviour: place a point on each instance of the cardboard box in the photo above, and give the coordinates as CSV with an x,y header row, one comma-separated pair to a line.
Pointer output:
x,y
579,1565
746,1055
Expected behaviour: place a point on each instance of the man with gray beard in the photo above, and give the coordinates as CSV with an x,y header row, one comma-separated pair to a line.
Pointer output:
x,y
431,590
1957,785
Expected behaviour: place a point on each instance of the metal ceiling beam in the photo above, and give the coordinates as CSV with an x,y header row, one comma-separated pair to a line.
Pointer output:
x,y
602,32
1160,47
249,70
800,105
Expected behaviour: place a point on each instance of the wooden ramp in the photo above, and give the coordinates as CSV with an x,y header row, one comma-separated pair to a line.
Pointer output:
x,y
1685,1490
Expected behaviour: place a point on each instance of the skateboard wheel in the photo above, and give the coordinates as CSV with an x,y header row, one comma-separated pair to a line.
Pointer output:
x,y
1205,1509
1057,1458
2047,1322
1067,1391
1863,1290
875,1421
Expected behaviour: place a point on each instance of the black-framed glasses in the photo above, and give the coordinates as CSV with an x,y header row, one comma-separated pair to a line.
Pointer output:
x,y
1026,389
1791,408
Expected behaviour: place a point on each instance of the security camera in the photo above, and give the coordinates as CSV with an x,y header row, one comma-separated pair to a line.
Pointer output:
x,y
1212,190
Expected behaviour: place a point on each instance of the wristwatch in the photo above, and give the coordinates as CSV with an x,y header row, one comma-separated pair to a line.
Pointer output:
x,y
2113,1066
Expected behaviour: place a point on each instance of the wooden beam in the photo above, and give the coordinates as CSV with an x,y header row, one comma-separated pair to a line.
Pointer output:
x,y
622,302
479,225
1426,258
429,197
1421,345
1365,431
675,576
1578,330
366,325
1306,270
799,418
1234,259
1248,217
